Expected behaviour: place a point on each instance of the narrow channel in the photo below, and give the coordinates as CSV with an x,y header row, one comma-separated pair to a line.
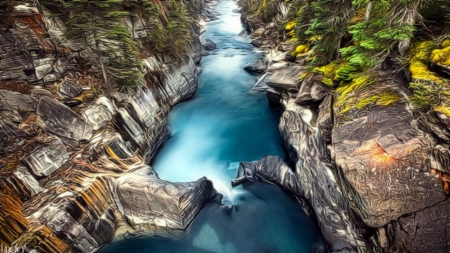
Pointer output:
x,y
221,126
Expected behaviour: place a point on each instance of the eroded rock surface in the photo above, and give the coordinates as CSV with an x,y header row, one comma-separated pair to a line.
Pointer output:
x,y
386,161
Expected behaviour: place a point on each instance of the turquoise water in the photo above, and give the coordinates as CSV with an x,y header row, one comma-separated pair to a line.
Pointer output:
x,y
221,126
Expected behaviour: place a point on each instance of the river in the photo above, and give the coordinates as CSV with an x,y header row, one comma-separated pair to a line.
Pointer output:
x,y
221,126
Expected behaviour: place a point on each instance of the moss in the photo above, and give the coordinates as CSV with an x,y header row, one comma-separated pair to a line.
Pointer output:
x,y
383,99
345,92
445,109
290,26
441,56
301,49
420,71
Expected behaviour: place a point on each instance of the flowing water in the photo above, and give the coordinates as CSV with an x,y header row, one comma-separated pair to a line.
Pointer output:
x,y
221,126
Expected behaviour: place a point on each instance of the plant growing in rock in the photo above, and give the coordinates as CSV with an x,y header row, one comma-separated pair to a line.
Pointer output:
x,y
99,26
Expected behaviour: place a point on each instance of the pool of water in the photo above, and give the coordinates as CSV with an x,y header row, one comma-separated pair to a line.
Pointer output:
x,y
221,126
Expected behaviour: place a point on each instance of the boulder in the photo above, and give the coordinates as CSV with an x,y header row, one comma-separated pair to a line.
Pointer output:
x,y
386,161
47,159
43,67
286,78
70,88
256,67
100,113
311,91
209,45
58,119
146,199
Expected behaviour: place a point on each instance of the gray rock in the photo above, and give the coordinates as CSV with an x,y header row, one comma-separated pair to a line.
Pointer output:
x,y
386,161
43,67
150,200
311,91
11,137
285,47
286,78
427,230
270,169
325,118
143,107
317,178
50,79
70,88
58,119
256,67
61,65
129,128
28,183
47,159
100,113
209,45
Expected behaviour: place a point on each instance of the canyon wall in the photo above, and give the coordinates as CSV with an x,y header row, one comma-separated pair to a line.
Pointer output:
x,y
376,174
73,154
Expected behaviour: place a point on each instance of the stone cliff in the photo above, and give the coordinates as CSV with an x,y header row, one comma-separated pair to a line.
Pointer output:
x,y
73,152
368,158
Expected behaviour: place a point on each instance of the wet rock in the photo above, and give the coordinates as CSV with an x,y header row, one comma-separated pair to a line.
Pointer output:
x,y
150,200
70,88
47,159
100,113
256,67
318,180
209,45
427,230
285,79
385,159
270,169
182,80
60,120
257,42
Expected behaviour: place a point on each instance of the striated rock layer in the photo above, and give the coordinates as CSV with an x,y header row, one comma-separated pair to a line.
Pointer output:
x,y
72,160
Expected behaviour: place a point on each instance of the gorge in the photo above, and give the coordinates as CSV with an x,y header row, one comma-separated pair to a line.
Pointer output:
x,y
223,126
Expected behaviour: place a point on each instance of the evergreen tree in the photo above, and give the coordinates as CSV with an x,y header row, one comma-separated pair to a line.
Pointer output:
x,y
99,24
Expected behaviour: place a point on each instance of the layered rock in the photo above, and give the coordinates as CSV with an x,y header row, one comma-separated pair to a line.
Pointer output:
x,y
64,148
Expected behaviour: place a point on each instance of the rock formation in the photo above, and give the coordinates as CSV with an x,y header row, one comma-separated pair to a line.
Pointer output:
x,y
371,163
72,153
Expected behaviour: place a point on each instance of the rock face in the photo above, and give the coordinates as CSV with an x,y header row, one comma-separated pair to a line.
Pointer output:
x,y
58,119
70,177
386,161
318,179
